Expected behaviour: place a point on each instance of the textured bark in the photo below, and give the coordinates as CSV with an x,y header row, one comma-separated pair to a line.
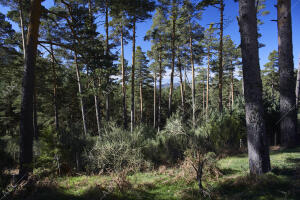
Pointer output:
x,y
258,150
132,122
80,94
141,101
221,57
123,82
287,80
56,121
173,61
26,118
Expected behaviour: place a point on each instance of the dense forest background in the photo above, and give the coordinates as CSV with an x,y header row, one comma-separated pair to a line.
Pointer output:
x,y
82,106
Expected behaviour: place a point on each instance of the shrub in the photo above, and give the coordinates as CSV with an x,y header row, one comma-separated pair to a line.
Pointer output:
x,y
117,150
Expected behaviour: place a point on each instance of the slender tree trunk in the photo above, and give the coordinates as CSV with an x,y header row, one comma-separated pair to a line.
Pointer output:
x,y
132,77
173,59
232,89
181,84
97,109
56,122
287,80
107,100
141,100
193,79
80,94
207,82
26,118
221,57
22,28
123,82
154,101
159,95
258,150
298,86
203,95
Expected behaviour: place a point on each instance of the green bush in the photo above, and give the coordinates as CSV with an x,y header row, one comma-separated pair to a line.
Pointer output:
x,y
116,150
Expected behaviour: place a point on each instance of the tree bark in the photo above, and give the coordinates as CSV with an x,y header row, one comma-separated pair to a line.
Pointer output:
x,y
207,82
154,101
258,150
141,100
159,95
298,86
221,57
22,28
26,118
80,94
181,84
107,100
193,79
123,82
287,80
132,76
56,122
173,59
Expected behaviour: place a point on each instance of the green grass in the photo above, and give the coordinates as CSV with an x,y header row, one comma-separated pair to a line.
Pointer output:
x,y
283,182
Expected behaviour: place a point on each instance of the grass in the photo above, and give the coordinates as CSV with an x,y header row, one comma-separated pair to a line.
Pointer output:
x,y
283,182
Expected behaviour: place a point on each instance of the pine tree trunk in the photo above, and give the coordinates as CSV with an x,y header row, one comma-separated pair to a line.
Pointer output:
x,y
141,101
80,94
107,100
232,89
298,86
154,102
123,82
26,118
132,77
207,82
173,60
22,28
287,80
56,122
193,80
159,95
181,84
258,150
221,57
97,109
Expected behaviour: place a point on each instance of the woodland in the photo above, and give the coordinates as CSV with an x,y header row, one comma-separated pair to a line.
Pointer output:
x,y
195,116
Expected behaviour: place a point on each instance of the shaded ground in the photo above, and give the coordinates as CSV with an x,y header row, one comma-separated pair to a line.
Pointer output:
x,y
283,182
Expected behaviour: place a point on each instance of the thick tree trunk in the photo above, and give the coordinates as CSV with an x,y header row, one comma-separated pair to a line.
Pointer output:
x,y
56,122
80,94
26,118
258,150
221,57
287,80
123,82
173,60
132,77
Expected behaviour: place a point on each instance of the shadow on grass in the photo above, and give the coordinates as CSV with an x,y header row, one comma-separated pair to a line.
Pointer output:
x,y
268,186
228,171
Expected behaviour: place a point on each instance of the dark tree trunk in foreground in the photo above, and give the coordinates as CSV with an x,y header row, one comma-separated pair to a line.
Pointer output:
x,y
287,80
26,118
258,150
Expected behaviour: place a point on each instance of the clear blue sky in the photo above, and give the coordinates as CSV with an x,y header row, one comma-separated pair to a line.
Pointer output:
x,y
268,29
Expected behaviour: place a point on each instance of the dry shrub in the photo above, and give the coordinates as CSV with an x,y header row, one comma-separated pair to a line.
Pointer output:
x,y
120,179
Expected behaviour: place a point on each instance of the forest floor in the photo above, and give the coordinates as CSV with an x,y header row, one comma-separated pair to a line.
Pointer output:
x,y
283,182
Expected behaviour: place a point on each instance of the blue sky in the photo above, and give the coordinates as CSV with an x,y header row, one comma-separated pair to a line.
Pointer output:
x,y
268,29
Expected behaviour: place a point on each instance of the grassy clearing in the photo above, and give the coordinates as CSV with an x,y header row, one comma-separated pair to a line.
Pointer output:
x,y
283,182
